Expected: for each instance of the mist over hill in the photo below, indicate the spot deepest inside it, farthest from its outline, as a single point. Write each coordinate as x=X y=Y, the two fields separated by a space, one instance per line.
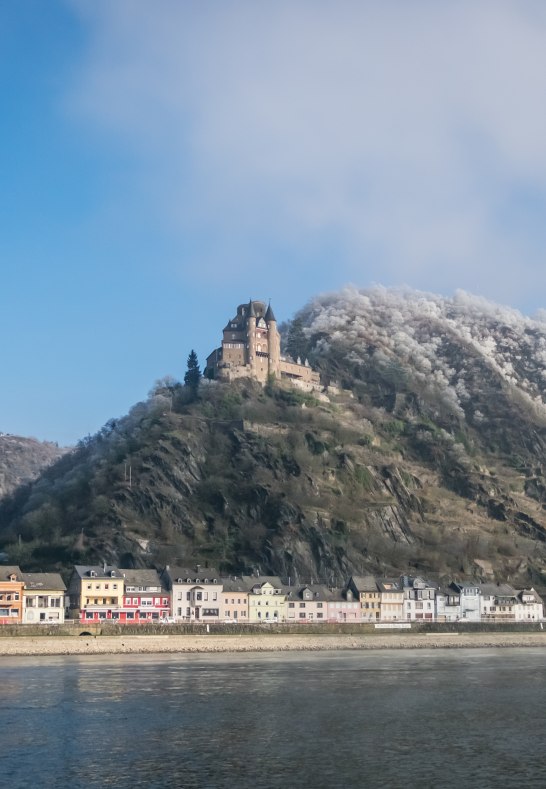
x=426 y=454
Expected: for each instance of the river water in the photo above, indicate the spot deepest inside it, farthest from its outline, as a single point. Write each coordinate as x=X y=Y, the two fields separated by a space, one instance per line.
x=412 y=718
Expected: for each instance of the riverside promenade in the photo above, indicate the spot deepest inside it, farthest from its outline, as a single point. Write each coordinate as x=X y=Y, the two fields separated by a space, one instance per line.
x=266 y=642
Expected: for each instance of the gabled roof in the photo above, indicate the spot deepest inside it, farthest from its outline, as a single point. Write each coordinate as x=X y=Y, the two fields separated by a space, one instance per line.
x=141 y=577
x=364 y=583
x=257 y=581
x=389 y=585
x=234 y=585
x=97 y=571
x=318 y=592
x=498 y=590
x=536 y=597
x=192 y=575
x=10 y=569
x=35 y=582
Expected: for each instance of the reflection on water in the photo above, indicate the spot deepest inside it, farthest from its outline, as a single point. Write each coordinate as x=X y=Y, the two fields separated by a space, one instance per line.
x=391 y=719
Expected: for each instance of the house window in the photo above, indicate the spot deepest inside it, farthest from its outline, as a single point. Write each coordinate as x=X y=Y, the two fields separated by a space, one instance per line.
x=130 y=615
x=302 y=614
x=320 y=616
x=291 y=605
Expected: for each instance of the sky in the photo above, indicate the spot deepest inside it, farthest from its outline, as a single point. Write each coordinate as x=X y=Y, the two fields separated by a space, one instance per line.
x=162 y=162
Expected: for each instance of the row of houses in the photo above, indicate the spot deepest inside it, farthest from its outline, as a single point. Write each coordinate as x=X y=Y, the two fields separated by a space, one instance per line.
x=178 y=594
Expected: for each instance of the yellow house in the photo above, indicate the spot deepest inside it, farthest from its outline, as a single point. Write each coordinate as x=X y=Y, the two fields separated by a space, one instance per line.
x=266 y=599
x=392 y=600
x=367 y=592
x=96 y=592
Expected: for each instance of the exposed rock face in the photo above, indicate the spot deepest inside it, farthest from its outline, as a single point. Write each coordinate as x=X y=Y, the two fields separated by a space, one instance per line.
x=426 y=456
x=23 y=459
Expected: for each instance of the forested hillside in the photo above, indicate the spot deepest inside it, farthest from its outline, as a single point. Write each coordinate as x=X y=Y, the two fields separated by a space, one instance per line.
x=425 y=454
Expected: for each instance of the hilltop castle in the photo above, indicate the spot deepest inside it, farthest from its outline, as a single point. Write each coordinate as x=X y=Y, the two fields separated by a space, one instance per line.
x=251 y=348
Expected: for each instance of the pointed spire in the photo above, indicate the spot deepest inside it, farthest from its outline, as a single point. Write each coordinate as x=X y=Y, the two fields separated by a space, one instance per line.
x=251 y=310
x=269 y=315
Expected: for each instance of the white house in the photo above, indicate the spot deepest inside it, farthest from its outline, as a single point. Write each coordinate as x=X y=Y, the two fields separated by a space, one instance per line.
x=196 y=594
x=448 y=604
x=43 y=598
x=529 y=606
x=470 y=601
x=419 y=598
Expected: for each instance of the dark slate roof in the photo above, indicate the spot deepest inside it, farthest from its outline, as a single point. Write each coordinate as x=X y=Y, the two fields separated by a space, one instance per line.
x=36 y=581
x=10 y=569
x=251 y=581
x=142 y=577
x=234 y=585
x=364 y=583
x=319 y=592
x=195 y=576
x=270 y=315
x=100 y=571
x=498 y=590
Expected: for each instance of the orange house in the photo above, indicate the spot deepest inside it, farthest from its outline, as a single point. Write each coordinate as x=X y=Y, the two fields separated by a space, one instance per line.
x=11 y=595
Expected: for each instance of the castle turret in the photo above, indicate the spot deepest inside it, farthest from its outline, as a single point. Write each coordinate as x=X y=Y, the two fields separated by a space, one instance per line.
x=251 y=336
x=274 y=343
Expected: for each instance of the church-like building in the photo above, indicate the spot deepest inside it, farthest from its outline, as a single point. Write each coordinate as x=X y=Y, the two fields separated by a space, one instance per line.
x=251 y=348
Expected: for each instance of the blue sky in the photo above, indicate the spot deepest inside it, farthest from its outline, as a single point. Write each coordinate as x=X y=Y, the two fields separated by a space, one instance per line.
x=162 y=162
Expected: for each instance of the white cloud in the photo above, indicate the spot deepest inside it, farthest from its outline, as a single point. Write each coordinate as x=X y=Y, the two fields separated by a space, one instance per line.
x=412 y=132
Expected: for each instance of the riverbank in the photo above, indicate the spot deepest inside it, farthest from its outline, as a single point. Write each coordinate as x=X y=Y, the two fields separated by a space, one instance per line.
x=130 y=644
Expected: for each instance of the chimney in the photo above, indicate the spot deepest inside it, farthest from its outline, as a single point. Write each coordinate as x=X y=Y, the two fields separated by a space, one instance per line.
x=197 y=568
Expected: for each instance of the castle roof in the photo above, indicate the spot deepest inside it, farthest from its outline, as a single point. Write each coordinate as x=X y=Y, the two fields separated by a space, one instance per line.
x=269 y=315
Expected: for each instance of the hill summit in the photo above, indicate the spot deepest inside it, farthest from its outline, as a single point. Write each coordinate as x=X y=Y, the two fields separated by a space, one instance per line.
x=423 y=451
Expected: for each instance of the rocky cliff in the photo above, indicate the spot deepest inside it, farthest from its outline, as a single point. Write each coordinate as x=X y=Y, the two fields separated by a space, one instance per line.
x=22 y=460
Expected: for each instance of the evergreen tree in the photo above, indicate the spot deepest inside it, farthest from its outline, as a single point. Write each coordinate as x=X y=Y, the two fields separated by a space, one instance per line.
x=192 y=378
x=296 y=342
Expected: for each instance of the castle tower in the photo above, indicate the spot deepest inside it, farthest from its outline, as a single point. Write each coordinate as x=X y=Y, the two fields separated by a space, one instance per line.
x=251 y=337
x=274 y=343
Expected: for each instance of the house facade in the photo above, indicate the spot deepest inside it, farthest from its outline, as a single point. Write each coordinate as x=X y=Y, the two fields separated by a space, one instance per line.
x=343 y=606
x=11 y=595
x=196 y=593
x=498 y=603
x=266 y=600
x=365 y=589
x=448 y=604
x=234 y=607
x=43 y=598
x=419 y=596
x=144 y=598
x=306 y=603
x=96 y=593
x=391 y=600
x=529 y=606
x=470 y=601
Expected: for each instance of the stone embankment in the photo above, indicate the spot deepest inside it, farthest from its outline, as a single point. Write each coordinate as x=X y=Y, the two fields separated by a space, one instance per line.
x=130 y=644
